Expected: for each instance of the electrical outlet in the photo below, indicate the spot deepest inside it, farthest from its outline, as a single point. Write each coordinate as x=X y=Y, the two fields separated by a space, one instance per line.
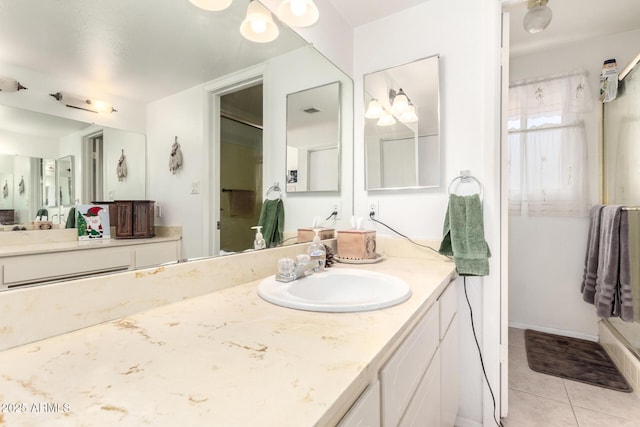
x=373 y=206
x=158 y=211
x=336 y=207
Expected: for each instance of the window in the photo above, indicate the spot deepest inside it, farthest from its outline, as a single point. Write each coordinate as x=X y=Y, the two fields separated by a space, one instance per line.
x=547 y=146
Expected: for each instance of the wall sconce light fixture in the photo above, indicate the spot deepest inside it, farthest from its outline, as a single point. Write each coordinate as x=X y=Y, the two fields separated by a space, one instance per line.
x=538 y=17
x=212 y=5
x=399 y=101
x=386 y=119
x=7 y=84
x=298 y=13
x=258 y=26
x=374 y=110
x=83 y=103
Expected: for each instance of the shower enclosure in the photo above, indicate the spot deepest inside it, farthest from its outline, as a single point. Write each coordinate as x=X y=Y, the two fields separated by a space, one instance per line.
x=621 y=183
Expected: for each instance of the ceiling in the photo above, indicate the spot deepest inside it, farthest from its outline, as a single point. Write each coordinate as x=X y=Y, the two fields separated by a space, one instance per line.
x=360 y=12
x=573 y=21
x=141 y=50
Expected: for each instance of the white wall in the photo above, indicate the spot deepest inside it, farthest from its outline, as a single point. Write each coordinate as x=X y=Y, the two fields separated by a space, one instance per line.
x=546 y=255
x=28 y=145
x=180 y=115
x=134 y=145
x=466 y=35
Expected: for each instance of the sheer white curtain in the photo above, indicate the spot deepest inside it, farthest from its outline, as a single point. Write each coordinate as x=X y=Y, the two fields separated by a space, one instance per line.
x=547 y=146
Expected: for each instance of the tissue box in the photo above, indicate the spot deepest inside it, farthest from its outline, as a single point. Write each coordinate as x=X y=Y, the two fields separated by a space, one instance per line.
x=306 y=234
x=357 y=244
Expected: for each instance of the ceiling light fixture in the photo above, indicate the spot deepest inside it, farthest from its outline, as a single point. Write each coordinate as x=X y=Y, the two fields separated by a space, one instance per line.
x=298 y=13
x=374 y=110
x=212 y=5
x=83 y=103
x=7 y=84
x=258 y=26
x=538 y=17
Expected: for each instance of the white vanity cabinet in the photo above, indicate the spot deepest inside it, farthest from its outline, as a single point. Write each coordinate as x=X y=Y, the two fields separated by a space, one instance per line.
x=31 y=268
x=419 y=382
x=366 y=411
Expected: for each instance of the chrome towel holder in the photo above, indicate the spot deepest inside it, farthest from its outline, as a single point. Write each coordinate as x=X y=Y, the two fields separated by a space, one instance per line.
x=466 y=177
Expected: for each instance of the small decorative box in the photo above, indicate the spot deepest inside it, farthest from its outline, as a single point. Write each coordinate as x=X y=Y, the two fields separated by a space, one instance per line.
x=306 y=234
x=357 y=244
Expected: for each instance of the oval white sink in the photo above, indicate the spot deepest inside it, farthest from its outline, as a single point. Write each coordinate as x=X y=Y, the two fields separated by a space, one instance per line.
x=337 y=290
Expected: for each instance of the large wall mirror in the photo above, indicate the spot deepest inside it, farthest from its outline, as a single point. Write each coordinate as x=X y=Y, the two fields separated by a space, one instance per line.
x=402 y=126
x=313 y=139
x=621 y=137
x=181 y=48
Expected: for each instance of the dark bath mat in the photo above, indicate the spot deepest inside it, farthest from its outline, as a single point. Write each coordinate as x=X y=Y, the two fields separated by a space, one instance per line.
x=573 y=359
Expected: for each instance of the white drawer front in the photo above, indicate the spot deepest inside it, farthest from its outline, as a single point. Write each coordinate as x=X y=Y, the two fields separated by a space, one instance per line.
x=448 y=307
x=366 y=411
x=51 y=266
x=402 y=373
x=424 y=409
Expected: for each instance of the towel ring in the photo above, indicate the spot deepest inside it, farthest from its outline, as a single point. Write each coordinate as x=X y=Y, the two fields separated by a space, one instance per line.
x=465 y=178
x=275 y=188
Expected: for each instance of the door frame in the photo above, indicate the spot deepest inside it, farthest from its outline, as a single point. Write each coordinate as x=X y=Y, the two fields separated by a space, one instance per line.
x=211 y=147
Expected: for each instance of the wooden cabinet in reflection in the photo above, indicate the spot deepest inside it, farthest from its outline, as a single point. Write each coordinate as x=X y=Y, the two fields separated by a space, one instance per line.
x=134 y=219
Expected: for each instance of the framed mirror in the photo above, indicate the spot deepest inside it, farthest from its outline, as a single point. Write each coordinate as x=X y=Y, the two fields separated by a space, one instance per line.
x=402 y=126
x=313 y=139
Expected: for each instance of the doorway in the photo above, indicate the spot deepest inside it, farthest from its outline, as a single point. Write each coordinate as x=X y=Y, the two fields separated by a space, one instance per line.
x=241 y=160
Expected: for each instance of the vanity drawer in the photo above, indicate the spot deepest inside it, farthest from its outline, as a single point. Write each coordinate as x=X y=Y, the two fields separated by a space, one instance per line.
x=448 y=307
x=366 y=411
x=43 y=267
x=402 y=373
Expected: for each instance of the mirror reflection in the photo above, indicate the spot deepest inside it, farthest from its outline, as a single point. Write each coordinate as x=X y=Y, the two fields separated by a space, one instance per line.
x=402 y=126
x=56 y=163
x=621 y=152
x=313 y=139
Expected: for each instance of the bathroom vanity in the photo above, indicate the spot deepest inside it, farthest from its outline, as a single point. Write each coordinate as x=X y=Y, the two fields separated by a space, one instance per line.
x=40 y=256
x=227 y=357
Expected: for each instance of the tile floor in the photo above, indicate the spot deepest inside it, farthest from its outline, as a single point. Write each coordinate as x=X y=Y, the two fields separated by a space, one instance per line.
x=543 y=400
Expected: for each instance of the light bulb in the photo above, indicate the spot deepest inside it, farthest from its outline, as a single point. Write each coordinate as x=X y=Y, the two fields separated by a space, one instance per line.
x=374 y=110
x=409 y=116
x=298 y=7
x=400 y=103
x=386 y=119
x=259 y=26
x=298 y=13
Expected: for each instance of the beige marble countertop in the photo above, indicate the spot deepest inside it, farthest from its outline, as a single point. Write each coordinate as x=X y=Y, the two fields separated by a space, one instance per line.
x=46 y=241
x=227 y=358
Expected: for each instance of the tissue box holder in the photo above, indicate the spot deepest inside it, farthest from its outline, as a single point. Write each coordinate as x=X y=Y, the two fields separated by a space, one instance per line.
x=357 y=244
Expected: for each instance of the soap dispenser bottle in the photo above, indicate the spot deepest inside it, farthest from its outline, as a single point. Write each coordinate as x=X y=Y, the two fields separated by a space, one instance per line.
x=317 y=252
x=258 y=243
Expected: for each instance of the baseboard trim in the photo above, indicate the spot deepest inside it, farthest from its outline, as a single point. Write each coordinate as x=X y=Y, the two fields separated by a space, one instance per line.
x=571 y=334
x=465 y=422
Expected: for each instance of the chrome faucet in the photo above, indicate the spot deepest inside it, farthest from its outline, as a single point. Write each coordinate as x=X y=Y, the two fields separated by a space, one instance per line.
x=290 y=270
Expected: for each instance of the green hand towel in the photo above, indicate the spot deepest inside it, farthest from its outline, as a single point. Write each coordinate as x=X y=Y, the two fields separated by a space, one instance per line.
x=272 y=222
x=71 y=218
x=464 y=236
